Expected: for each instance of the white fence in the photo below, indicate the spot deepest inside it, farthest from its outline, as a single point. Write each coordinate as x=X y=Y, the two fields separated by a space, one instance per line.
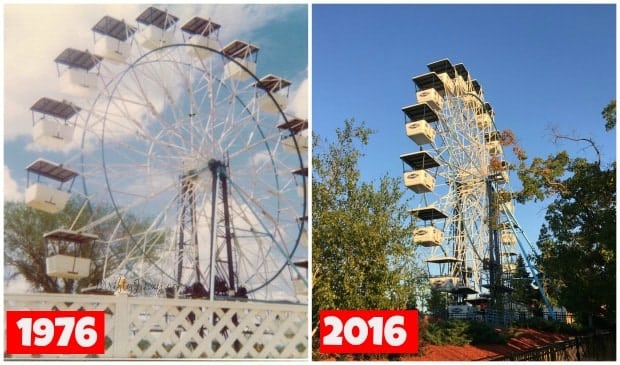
x=184 y=328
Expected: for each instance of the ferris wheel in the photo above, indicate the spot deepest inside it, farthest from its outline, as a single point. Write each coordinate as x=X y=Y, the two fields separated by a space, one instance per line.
x=202 y=167
x=464 y=223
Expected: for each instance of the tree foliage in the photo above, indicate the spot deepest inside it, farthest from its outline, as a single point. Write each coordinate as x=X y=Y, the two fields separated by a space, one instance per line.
x=609 y=114
x=580 y=257
x=521 y=281
x=578 y=250
x=362 y=254
x=24 y=228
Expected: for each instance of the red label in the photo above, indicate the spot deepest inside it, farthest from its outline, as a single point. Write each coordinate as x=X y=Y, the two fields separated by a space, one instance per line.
x=368 y=331
x=55 y=332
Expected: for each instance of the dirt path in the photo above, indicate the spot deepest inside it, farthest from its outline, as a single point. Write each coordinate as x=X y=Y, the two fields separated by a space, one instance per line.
x=524 y=339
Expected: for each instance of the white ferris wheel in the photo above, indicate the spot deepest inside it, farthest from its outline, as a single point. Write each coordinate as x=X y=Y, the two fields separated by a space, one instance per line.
x=465 y=229
x=203 y=168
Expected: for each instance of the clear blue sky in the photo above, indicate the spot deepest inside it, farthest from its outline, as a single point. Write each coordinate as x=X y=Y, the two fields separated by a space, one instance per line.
x=539 y=66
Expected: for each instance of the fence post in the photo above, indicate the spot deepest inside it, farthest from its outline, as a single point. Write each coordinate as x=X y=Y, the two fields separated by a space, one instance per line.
x=121 y=331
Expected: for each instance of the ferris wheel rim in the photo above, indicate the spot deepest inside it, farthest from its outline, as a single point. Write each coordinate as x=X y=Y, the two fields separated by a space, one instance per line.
x=136 y=63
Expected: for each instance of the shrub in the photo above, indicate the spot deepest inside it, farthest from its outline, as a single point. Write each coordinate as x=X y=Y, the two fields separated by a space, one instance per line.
x=460 y=333
x=483 y=333
x=450 y=332
x=546 y=325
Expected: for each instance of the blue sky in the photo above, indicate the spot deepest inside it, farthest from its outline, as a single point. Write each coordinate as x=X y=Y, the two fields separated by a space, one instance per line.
x=540 y=66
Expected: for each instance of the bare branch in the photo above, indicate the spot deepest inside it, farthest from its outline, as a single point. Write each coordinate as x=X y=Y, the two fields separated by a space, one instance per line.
x=557 y=135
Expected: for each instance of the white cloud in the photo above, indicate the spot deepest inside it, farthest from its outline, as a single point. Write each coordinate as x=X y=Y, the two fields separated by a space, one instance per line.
x=17 y=285
x=12 y=191
x=298 y=105
x=36 y=34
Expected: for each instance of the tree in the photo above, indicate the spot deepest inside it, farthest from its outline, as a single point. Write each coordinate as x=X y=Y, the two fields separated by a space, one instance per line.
x=609 y=114
x=362 y=250
x=578 y=254
x=521 y=281
x=580 y=259
x=24 y=228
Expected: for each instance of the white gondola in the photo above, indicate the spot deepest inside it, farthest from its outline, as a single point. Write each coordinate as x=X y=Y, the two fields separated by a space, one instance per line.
x=152 y=37
x=78 y=82
x=276 y=87
x=420 y=132
x=484 y=116
x=53 y=122
x=460 y=86
x=244 y=55
x=502 y=177
x=157 y=28
x=448 y=82
x=112 y=39
x=303 y=240
x=499 y=172
x=461 y=311
x=301 y=286
x=446 y=73
x=202 y=33
x=297 y=140
x=430 y=97
x=112 y=49
x=427 y=236
x=297 y=136
x=483 y=119
x=471 y=101
x=494 y=148
x=461 y=79
x=63 y=250
x=419 y=181
x=77 y=72
x=444 y=283
x=492 y=143
x=42 y=196
x=508 y=238
x=52 y=133
x=509 y=268
x=303 y=176
x=202 y=42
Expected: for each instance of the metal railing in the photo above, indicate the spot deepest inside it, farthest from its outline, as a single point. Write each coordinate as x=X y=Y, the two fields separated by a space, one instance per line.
x=598 y=346
x=505 y=318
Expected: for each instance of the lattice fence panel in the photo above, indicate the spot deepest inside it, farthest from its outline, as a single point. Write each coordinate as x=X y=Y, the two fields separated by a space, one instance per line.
x=181 y=328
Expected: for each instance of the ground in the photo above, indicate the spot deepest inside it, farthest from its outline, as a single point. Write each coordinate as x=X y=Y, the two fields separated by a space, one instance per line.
x=523 y=340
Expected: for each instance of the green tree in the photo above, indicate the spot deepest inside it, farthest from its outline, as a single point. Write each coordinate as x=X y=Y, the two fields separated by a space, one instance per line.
x=580 y=259
x=437 y=301
x=362 y=254
x=24 y=252
x=609 y=114
x=578 y=252
x=521 y=281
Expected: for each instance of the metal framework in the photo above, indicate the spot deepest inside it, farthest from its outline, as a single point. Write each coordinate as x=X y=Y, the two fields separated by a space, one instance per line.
x=471 y=249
